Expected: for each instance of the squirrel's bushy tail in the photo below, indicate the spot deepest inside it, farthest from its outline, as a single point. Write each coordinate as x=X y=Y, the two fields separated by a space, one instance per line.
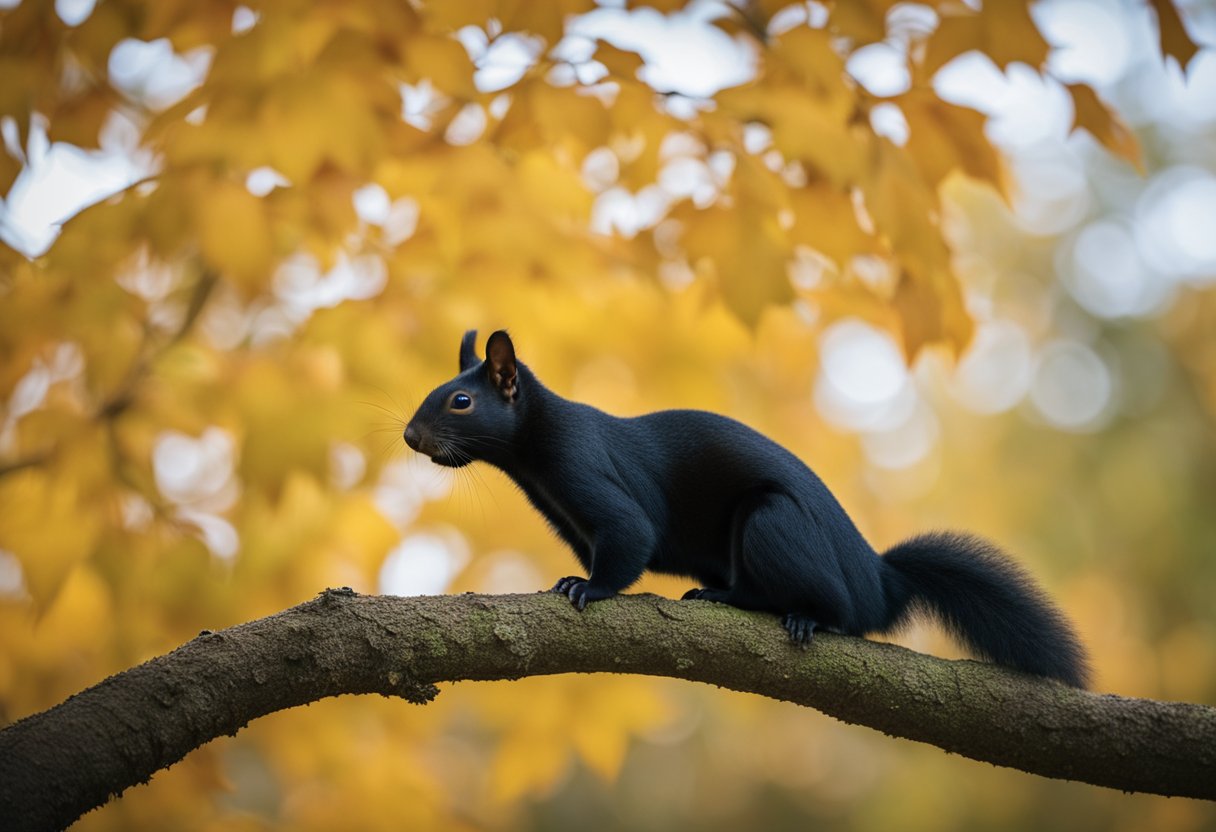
x=985 y=600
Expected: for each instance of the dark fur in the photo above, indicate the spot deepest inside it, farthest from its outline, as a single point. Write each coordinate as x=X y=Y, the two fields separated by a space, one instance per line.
x=684 y=492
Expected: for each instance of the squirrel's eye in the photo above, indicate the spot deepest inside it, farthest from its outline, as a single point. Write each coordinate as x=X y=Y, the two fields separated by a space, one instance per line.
x=461 y=401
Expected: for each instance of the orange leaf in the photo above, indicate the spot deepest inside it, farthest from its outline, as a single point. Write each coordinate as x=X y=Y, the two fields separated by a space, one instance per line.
x=943 y=137
x=825 y=220
x=864 y=22
x=618 y=61
x=1004 y=32
x=1175 y=41
x=234 y=234
x=931 y=310
x=1104 y=124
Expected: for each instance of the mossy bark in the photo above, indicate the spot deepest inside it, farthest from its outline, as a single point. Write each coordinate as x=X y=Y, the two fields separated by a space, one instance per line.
x=59 y=764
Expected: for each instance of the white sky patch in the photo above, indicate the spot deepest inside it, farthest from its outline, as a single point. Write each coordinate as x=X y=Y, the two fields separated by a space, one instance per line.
x=1052 y=193
x=502 y=63
x=198 y=476
x=1174 y=221
x=1023 y=108
x=1106 y=274
x=12 y=577
x=301 y=288
x=262 y=180
x=995 y=372
x=1091 y=39
x=618 y=211
x=402 y=220
x=888 y=120
x=510 y=571
x=405 y=485
x=217 y=534
x=74 y=12
x=683 y=53
x=347 y=465
x=244 y=19
x=467 y=126
x=862 y=362
x=62 y=362
x=196 y=471
x=864 y=384
x=424 y=563
x=420 y=102
x=58 y=181
x=153 y=72
x=905 y=444
x=881 y=69
x=601 y=169
x=372 y=204
x=1072 y=387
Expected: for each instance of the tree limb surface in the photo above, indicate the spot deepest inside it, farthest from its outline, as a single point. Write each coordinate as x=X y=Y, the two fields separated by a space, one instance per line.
x=59 y=764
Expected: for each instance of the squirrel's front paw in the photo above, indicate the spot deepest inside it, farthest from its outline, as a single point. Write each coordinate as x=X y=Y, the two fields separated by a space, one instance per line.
x=563 y=586
x=583 y=593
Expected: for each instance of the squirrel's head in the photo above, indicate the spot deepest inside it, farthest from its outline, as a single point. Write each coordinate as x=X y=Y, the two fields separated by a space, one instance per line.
x=474 y=415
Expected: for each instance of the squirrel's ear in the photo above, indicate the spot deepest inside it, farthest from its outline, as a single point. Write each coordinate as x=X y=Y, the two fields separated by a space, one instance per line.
x=468 y=350
x=500 y=365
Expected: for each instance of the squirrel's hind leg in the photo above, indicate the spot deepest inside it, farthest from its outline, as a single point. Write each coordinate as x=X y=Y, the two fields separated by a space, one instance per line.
x=776 y=566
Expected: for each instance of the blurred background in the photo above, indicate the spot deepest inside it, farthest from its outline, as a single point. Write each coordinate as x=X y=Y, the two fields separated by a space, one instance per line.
x=957 y=257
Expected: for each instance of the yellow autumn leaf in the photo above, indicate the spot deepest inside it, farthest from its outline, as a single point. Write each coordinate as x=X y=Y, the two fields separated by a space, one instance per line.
x=808 y=57
x=1104 y=124
x=55 y=529
x=442 y=18
x=863 y=21
x=903 y=207
x=814 y=129
x=234 y=235
x=601 y=745
x=931 y=310
x=553 y=188
x=619 y=62
x=1005 y=32
x=825 y=219
x=444 y=62
x=527 y=766
x=944 y=137
x=568 y=119
x=747 y=257
x=359 y=533
x=79 y=120
x=544 y=19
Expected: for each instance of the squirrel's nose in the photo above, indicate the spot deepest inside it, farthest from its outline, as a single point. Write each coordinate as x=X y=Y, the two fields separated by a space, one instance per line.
x=412 y=437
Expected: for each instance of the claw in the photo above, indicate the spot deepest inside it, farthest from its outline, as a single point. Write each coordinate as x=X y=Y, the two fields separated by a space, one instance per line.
x=564 y=585
x=581 y=592
x=800 y=627
x=720 y=596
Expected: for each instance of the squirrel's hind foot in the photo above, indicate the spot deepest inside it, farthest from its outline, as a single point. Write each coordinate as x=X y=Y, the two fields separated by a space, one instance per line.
x=800 y=627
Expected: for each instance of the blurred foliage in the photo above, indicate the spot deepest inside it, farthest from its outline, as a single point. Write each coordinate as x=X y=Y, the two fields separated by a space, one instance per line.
x=205 y=380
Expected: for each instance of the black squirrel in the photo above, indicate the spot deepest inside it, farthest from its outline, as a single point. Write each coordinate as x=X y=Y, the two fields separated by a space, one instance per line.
x=685 y=492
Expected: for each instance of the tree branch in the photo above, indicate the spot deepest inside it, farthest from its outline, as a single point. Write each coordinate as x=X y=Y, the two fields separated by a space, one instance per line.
x=59 y=764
